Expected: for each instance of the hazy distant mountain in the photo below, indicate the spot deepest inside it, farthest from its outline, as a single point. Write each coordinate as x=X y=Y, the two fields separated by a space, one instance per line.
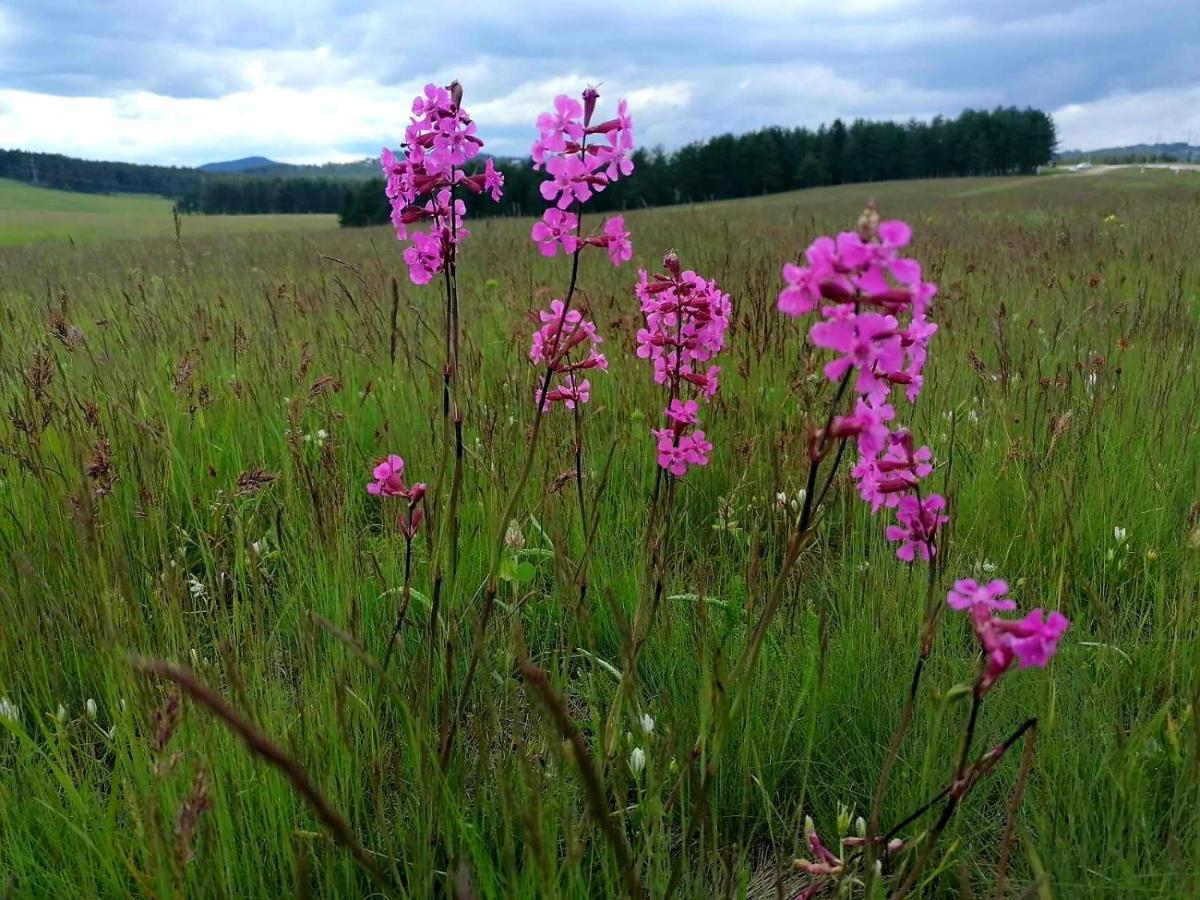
x=1134 y=153
x=260 y=165
x=245 y=164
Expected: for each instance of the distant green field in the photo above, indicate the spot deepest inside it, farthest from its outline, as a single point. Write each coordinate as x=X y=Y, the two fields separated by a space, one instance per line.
x=31 y=214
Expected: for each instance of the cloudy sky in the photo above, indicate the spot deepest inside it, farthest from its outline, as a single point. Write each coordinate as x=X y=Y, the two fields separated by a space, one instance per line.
x=189 y=82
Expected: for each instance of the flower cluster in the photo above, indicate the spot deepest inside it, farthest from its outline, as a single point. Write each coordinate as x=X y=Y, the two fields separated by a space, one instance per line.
x=563 y=332
x=389 y=482
x=686 y=319
x=826 y=868
x=873 y=309
x=578 y=169
x=1030 y=642
x=423 y=180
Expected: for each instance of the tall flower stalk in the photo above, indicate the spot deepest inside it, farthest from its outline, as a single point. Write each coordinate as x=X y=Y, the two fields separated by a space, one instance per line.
x=582 y=159
x=424 y=185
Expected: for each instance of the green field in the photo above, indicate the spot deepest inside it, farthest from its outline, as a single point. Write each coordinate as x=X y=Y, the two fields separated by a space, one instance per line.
x=166 y=492
x=31 y=215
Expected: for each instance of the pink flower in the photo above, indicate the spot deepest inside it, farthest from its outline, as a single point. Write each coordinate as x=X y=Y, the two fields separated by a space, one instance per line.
x=556 y=229
x=615 y=238
x=424 y=258
x=683 y=412
x=1030 y=642
x=677 y=452
x=968 y=594
x=389 y=478
x=867 y=342
x=565 y=345
x=883 y=480
x=1035 y=638
x=868 y=425
x=917 y=524
x=561 y=126
x=567 y=394
x=803 y=292
x=570 y=181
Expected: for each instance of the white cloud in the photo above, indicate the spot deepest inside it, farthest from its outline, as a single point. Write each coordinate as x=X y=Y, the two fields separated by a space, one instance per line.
x=1165 y=114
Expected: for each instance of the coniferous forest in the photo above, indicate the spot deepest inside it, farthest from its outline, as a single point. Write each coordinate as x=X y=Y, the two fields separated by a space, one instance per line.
x=976 y=142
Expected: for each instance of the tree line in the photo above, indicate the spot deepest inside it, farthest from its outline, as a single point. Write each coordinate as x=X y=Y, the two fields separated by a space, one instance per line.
x=1003 y=141
x=66 y=173
x=244 y=194
x=977 y=142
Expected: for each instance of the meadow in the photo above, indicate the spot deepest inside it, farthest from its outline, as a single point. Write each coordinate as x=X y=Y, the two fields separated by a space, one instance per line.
x=30 y=214
x=189 y=429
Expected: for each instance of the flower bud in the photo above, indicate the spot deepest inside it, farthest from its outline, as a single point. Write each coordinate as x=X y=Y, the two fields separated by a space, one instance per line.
x=590 y=96
x=637 y=761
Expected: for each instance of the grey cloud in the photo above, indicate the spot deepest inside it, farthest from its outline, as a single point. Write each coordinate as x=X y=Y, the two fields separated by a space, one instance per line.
x=747 y=63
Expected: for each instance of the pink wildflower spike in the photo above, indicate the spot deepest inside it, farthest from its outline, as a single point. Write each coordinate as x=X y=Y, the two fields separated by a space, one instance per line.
x=582 y=159
x=686 y=320
x=440 y=138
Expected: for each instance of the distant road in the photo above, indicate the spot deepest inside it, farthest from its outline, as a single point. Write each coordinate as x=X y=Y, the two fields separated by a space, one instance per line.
x=1104 y=168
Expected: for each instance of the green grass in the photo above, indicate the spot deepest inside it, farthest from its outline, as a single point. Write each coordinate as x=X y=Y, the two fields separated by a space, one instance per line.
x=30 y=215
x=1060 y=402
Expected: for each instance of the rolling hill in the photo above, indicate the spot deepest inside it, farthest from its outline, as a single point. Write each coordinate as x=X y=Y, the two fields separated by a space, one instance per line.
x=30 y=214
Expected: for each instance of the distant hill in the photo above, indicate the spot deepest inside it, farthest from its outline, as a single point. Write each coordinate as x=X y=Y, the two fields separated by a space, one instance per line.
x=1133 y=153
x=261 y=166
x=245 y=164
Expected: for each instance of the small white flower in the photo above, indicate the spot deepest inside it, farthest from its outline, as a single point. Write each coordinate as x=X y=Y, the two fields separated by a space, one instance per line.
x=1089 y=381
x=647 y=723
x=195 y=587
x=513 y=538
x=256 y=546
x=322 y=434
x=9 y=710
x=637 y=761
x=60 y=714
x=1119 y=534
x=90 y=707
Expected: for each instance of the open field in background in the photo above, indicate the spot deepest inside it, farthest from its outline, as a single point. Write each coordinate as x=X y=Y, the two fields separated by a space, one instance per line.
x=1061 y=401
x=31 y=214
